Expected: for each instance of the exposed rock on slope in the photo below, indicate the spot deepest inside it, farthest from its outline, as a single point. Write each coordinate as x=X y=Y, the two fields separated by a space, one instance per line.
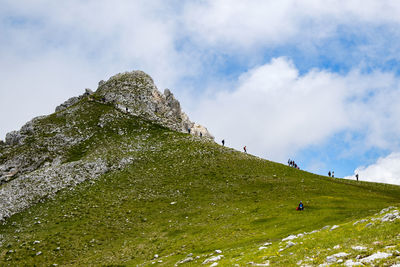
x=135 y=93
x=49 y=152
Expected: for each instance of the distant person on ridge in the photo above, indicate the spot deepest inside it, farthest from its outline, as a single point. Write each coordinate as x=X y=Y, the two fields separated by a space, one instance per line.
x=288 y=162
x=245 y=150
x=333 y=174
x=357 y=176
x=300 y=206
x=223 y=142
x=329 y=173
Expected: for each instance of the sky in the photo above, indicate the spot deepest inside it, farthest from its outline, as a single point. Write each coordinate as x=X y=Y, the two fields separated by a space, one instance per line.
x=314 y=81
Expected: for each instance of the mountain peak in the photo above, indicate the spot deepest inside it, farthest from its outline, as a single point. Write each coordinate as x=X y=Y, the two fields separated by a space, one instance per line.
x=135 y=93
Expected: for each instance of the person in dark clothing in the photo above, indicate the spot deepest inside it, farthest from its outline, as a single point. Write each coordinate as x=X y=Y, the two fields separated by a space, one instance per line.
x=357 y=176
x=245 y=150
x=301 y=206
x=201 y=134
x=223 y=142
x=126 y=109
x=189 y=130
x=333 y=174
x=329 y=173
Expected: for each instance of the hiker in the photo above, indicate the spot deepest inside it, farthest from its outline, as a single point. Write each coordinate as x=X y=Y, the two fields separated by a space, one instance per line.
x=126 y=109
x=357 y=176
x=329 y=173
x=288 y=162
x=189 y=130
x=201 y=134
x=223 y=142
x=245 y=150
x=333 y=174
x=300 y=206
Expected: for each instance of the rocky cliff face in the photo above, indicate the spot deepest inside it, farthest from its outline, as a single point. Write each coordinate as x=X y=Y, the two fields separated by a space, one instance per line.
x=135 y=93
x=49 y=153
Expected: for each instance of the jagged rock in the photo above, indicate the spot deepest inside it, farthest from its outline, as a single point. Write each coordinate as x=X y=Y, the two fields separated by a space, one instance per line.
x=88 y=92
x=70 y=102
x=14 y=138
x=135 y=92
x=73 y=100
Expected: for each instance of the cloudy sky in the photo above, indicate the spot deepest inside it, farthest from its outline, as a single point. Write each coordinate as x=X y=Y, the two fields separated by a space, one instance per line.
x=315 y=81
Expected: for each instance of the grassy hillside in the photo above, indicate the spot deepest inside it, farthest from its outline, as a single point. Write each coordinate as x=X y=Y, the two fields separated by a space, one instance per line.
x=181 y=194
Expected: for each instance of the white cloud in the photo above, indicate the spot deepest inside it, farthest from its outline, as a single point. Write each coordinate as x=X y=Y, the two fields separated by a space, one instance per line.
x=238 y=24
x=275 y=111
x=384 y=170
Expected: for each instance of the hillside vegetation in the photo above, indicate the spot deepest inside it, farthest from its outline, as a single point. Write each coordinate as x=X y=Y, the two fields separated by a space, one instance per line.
x=171 y=198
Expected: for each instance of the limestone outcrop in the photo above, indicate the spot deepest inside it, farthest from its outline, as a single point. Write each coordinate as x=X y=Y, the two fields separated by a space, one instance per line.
x=135 y=93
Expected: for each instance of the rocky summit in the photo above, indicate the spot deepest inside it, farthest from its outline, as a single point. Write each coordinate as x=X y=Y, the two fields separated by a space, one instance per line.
x=36 y=161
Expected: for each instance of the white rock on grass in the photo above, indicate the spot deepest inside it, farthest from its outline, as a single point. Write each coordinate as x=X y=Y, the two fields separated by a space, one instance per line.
x=334 y=257
x=359 y=248
x=218 y=251
x=267 y=244
x=352 y=263
x=390 y=217
x=376 y=256
x=360 y=221
x=259 y=264
x=291 y=237
x=290 y=244
x=213 y=259
x=387 y=209
x=262 y=264
x=334 y=227
x=188 y=259
x=336 y=247
x=214 y=264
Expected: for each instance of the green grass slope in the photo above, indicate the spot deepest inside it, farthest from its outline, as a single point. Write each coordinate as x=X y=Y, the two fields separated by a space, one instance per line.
x=181 y=195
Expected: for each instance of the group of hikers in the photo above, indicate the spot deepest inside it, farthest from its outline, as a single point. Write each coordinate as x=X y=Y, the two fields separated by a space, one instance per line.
x=331 y=174
x=293 y=164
